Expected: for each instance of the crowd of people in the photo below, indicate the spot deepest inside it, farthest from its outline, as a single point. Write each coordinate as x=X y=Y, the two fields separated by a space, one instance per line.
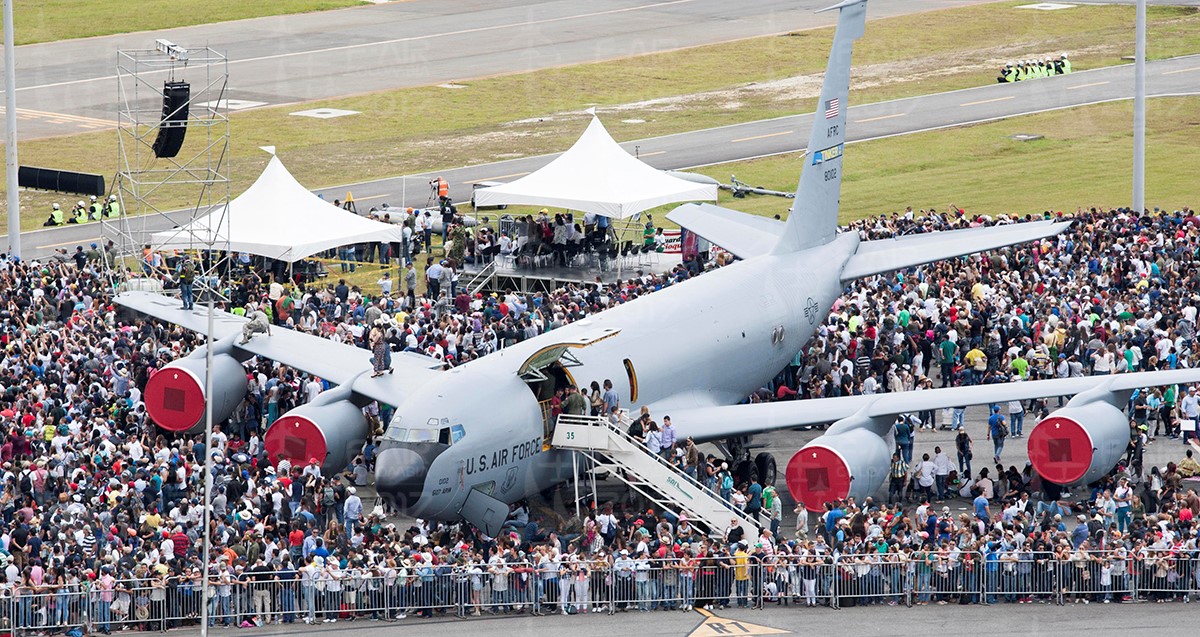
x=1031 y=69
x=100 y=504
x=83 y=212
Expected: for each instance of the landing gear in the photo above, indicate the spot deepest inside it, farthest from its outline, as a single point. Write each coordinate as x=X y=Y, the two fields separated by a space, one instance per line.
x=765 y=463
x=745 y=472
x=746 y=467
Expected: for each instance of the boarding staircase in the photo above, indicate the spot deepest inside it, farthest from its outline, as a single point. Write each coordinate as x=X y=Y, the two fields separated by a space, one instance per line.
x=608 y=446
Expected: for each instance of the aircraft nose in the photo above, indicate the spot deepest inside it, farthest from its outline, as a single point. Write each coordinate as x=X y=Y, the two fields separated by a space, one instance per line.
x=400 y=474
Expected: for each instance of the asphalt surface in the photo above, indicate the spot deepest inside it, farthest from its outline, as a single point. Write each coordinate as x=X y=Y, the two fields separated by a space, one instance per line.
x=1176 y=76
x=1117 y=620
x=71 y=86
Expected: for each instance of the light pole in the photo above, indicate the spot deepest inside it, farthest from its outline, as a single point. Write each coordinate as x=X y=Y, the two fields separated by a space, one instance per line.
x=205 y=553
x=10 y=141
x=208 y=454
x=1139 y=111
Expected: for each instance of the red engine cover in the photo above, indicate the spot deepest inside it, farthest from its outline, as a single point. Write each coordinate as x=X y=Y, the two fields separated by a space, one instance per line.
x=1060 y=449
x=174 y=398
x=296 y=437
x=816 y=475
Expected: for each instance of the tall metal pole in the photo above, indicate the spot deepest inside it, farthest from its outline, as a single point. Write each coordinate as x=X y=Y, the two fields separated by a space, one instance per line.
x=1139 y=112
x=208 y=470
x=10 y=142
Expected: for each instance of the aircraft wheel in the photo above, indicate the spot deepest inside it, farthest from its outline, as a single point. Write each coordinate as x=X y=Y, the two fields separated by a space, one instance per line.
x=745 y=472
x=765 y=463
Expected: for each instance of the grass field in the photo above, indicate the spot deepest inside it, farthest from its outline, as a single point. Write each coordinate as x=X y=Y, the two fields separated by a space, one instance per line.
x=421 y=129
x=1083 y=160
x=50 y=20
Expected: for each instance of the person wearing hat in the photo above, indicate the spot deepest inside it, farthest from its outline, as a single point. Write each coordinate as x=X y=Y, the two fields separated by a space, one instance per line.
x=56 y=216
x=352 y=510
x=78 y=213
x=95 y=210
x=112 y=209
x=997 y=432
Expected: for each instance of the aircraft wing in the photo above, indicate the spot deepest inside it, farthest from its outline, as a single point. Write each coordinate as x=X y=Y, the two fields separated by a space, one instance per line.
x=337 y=363
x=889 y=255
x=734 y=420
x=743 y=234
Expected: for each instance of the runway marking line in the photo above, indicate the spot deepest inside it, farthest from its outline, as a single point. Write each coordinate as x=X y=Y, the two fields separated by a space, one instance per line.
x=414 y=38
x=475 y=181
x=747 y=139
x=876 y=119
x=1194 y=68
x=714 y=626
x=77 y=242
x=657 y=152
x=994 y=99
x=56 y=117
x=1072 y=88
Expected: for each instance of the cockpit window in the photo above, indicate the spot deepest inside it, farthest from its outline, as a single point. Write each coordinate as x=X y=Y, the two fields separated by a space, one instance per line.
x=421 y=435
x=437 y=431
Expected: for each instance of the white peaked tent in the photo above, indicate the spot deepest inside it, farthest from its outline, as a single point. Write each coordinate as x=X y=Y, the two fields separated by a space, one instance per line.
x=277 y=218
x=596 y=175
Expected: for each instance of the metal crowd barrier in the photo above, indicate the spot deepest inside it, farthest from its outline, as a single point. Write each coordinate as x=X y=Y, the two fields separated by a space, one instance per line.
x=577 y=586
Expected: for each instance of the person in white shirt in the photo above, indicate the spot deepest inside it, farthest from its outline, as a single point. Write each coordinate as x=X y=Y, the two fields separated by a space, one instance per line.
x=926 y=473
x=941 y=470
x=312 y=389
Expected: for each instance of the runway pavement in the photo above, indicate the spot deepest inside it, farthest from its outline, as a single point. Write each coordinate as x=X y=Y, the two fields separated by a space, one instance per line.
x=1115 y=620
x=1176 y=76
x=70 y=86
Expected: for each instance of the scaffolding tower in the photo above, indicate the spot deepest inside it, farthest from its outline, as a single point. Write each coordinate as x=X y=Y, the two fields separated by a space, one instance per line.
x=169 y=193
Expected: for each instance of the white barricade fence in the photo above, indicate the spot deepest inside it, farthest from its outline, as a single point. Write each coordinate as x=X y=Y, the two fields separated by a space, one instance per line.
x=1163 y=575
x=872 y=578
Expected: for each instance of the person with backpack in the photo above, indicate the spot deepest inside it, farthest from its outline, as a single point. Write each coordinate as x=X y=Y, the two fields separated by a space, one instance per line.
x=726 y=482
x=997 y=432
x=904 y=438
x=186 y=276
x=327 y=497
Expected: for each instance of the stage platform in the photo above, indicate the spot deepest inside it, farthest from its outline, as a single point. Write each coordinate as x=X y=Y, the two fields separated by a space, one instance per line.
x=505 y=274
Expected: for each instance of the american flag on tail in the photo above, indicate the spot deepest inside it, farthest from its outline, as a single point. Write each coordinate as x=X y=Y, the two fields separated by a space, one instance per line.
x=832 y=108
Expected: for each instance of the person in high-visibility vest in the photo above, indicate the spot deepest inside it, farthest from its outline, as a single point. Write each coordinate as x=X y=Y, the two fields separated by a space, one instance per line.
x=443 y=189
x=55 y=218
x=78 y=213
x=112 y=209
x=1064 y=64
x=95 y=210
x=1007 y=74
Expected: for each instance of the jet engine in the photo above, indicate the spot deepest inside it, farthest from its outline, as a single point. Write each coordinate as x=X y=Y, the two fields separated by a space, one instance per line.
x=175 y=395
x=1079 y=443
x=331 y=429
x=851 y=460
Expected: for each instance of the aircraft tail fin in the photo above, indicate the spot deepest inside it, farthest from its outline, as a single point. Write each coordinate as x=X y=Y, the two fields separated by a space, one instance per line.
x=813 y=218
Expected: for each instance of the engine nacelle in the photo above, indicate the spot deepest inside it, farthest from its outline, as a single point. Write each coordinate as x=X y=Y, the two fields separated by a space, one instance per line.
x=1079 y=443
x=331 y=429
x=175 y=395
x=849 y=462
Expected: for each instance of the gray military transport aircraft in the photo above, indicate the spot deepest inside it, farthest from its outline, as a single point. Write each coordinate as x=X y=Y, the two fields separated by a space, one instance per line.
x=467 y=442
